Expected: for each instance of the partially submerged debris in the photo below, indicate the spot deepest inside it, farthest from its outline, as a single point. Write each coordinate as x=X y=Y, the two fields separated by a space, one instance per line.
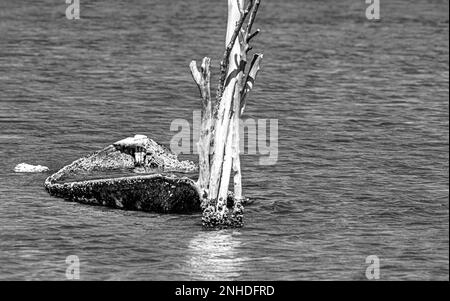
x=164 y=188
x=231 y=216
x=218 y=146
x=160 y=191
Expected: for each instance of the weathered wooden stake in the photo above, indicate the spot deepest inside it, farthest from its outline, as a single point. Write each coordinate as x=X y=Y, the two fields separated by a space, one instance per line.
x=237 y=179
x=202 y=79
x=220 y=128
x=222 y=120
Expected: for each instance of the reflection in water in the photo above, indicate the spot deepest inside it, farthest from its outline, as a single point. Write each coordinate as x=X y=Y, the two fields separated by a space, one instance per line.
x=213 y=255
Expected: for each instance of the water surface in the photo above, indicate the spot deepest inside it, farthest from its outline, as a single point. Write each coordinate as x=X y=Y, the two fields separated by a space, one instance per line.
x=363 y=138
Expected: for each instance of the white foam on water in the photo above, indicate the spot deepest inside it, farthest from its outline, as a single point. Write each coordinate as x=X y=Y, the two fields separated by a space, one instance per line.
x=24 y=167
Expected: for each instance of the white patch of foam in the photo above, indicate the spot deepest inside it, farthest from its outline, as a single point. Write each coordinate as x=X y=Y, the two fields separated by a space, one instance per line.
x=24 y=167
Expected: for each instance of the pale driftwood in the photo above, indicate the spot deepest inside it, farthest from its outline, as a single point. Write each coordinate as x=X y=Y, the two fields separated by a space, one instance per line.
x=237 y=178
x=233 y=31
x=232 y=75
x=245 y=38
x=202 y=79
x=222 y=119
x=245 y=48
x=223 y=126
x=227 y=164
x=247 y=35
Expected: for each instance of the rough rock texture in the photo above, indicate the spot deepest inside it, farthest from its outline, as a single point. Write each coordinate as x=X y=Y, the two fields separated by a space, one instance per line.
x=157 y=192
x=160 y=191
x=221 y=218
x=154 y=193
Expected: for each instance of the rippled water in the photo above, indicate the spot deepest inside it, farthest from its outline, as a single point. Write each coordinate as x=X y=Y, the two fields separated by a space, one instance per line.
x=363 y=138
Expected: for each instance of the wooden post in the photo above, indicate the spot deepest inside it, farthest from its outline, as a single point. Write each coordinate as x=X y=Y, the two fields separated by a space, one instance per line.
x=202 y=79
x=221 y=126
x=222 y=121
x=237 y=178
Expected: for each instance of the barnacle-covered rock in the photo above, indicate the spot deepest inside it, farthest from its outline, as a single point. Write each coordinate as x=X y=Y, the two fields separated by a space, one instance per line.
x=232 y=216
x=162 y=187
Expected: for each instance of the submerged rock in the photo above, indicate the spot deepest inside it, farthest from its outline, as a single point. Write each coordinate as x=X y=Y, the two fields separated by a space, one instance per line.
x=24 y=167
x=232 y=216
x=160 y=191
x=162 y=186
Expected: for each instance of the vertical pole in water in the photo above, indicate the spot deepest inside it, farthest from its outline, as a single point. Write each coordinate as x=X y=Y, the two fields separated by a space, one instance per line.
x=222 y=159
x=202 y=79
x=223 y=121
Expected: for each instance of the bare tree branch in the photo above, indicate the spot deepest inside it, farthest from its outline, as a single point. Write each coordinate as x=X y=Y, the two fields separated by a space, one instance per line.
x=226 y=56
x=202 y=79
x=252 y=18
x=250 y=79
x=252 y=35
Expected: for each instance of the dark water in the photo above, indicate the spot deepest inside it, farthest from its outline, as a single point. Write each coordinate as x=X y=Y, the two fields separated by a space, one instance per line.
x=363 y=138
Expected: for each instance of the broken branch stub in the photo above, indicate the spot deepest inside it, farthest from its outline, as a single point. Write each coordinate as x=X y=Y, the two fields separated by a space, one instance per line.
x=255 y=65
x=202 y=79
x=235 y=142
